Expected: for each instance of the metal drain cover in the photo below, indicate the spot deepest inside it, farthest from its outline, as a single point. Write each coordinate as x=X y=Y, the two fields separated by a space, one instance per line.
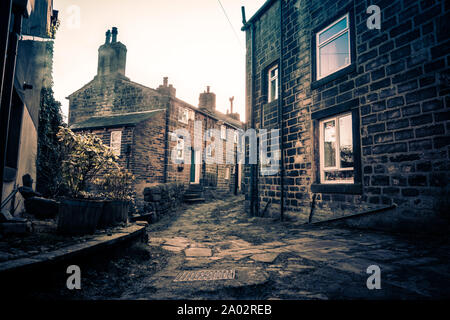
x=205 y=275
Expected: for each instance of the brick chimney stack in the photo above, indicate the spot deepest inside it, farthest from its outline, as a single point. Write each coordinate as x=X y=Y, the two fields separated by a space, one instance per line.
x=112 y=56
x=232 y=115
x=166 y=88
x=207 y=100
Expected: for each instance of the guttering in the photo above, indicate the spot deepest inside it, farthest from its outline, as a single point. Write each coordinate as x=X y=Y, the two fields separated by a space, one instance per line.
x=280 y=114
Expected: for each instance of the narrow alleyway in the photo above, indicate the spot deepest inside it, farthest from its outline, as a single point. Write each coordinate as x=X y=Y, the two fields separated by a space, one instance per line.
x=276 y=260
x=270 y=260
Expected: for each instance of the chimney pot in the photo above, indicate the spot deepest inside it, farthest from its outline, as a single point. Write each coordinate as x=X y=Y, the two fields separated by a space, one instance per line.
x=231 y=102
x=108 y=37
x=165 y=81
x=114 y=34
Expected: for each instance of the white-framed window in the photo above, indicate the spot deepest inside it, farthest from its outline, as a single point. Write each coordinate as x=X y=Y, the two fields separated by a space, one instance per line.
x=223 y=132
x=336 y=149
x=333 y=47
x=183 y=115
x=209 y=150
x=236 y=136
x=116 y=142
x=180 y=148
x=272 y=84
x=227 y=173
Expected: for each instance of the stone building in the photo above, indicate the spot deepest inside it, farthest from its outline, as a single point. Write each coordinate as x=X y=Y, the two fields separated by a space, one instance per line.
x=141 y=124
x=30 y=26
x=363 y=112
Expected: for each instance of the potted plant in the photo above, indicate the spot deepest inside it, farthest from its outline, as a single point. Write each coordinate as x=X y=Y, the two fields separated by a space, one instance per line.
x=84 y=156
x=116 y=186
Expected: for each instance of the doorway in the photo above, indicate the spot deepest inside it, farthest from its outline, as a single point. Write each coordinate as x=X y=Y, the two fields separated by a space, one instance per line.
x=195 y=166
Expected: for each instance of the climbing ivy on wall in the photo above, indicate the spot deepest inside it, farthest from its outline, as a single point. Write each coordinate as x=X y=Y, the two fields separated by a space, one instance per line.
x=48 y=163
x=49 y=158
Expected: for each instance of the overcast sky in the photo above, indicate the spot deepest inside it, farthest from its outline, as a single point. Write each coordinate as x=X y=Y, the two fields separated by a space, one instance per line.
x=189 y=41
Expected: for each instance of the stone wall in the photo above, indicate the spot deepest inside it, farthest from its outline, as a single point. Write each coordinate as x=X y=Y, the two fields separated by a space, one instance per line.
x=161 y=198
x=398 y=84
x=111 y=95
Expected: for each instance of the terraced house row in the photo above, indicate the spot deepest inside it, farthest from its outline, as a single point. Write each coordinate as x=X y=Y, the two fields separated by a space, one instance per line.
x=140 y=124
x=363 y=111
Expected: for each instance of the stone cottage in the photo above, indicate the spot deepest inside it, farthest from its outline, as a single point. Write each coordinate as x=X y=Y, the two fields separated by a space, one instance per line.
x=141 y=124
x=363 y=111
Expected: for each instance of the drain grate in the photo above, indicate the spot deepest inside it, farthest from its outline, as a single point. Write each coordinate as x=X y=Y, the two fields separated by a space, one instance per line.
x=205 y=275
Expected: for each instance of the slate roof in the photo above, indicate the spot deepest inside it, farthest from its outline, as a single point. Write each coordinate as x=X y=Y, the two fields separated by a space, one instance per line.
x=221 y=116
x=217 y=115
x=116 y=120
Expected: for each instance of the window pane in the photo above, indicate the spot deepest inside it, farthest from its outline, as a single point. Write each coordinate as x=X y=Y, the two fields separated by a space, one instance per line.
x=273 y=90
x=334 y=55
x=346 y=141
x=329 y=144
x=273 y=73
x=345 y=176
x=334 y=29
x=116 y=141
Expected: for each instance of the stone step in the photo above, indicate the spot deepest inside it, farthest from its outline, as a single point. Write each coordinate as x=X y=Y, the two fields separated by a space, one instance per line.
x=194 y=200
x=193 y=195
x=194 y=190
x=195 y=187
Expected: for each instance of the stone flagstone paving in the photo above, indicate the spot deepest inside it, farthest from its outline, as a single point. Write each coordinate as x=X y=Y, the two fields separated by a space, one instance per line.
x=282 y=260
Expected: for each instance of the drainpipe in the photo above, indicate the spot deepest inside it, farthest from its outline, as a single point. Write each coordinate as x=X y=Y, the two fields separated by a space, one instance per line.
x=5 y=9
x=254 y=167
x=166 y=142
x=280 y=114
x=7 y=91
x=236 y=171
x=254 y=199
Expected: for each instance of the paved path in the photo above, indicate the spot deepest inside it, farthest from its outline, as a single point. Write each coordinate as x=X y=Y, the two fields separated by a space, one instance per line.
x=276 y=260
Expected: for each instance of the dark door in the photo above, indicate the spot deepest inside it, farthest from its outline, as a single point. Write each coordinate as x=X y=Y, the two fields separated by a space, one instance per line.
x=192 y=166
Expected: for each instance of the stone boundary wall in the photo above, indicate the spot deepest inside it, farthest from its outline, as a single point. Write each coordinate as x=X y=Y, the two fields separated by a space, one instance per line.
x=161 y=198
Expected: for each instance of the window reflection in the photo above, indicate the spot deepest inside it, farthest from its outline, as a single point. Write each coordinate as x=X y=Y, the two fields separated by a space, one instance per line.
x=346 y=141
x=336 y=153
x=330 y=144
x=334 y=55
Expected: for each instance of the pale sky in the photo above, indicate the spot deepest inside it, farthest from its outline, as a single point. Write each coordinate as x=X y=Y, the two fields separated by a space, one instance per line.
x=189 y=41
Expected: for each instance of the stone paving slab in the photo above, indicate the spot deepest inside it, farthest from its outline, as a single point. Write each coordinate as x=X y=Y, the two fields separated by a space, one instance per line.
x=172 y=248
x=359 y=266
x=265 y=257
x=198 y=252
x=176 y=242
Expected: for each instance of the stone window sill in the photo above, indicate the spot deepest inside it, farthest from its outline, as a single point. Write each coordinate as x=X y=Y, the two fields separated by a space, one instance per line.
x=337 y=188
x=318 y=83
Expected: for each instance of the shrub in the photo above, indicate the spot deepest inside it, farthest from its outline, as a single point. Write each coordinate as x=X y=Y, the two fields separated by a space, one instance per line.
x=84 y=156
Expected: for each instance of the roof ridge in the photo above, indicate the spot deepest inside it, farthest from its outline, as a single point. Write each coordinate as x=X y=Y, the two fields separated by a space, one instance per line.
x=128 y=113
